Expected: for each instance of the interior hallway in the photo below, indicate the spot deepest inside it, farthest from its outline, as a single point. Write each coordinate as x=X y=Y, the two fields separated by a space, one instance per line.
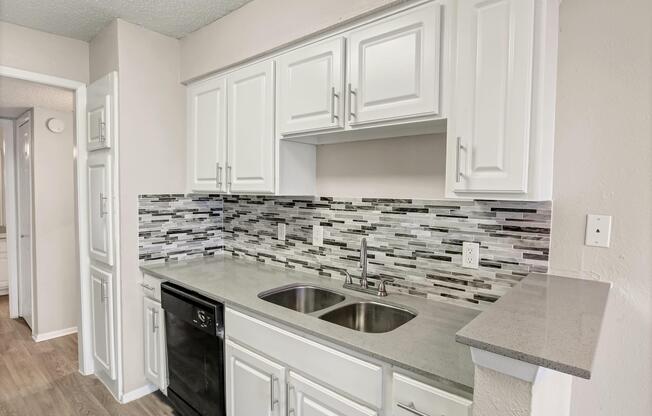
x=43 y=378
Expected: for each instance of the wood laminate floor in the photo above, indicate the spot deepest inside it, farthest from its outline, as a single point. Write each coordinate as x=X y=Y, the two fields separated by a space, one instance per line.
x=43 y=378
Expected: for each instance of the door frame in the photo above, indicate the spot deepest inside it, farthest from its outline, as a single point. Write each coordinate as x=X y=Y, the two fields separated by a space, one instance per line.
x=85 y=351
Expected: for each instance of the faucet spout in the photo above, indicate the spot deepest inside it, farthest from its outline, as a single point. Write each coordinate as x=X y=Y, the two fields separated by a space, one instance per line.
x=363 y=263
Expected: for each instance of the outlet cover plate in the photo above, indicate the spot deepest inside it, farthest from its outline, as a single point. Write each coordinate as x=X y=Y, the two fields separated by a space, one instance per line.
x=598 y=230
x=317 y=235
x=281 y=231
x=470 y=255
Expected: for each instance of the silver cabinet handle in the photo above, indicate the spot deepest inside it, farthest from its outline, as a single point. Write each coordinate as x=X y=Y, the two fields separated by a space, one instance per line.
x=218 y=179
x=412 y=409
x=146 y=286
x=289 y=388
x=458 y=167
x=351 y=93
x=102 y=127
x=334 y=114
x=272 y=402
x=102 y=205
x=154 y=321
x=229 y=171
x=104 y=291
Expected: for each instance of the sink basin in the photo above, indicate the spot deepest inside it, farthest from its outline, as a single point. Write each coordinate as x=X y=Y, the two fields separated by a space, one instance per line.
x=369 y=317
x=302 y=298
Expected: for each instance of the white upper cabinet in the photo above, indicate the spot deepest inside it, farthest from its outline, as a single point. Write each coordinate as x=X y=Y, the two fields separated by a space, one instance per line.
x=394 y=67
x=311 y=87
x=207 y=132
x=251 y=139
x=100 y=101
x=500 y=136
x=100 y=201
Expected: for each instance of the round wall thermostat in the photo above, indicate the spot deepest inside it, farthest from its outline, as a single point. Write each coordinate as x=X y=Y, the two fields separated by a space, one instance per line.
x=55 y=125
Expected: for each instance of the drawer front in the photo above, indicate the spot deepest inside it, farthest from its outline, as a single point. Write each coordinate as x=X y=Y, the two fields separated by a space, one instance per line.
x=151 y=287
x=356 y=377
x=413 y=398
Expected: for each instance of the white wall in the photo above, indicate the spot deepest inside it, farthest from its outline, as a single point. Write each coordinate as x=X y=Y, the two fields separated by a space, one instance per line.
x=56 y=279
x=41 y=52
x=406 y=167
x=264 y=25
x=103 y=52
x=152 y=160
x=603 y=164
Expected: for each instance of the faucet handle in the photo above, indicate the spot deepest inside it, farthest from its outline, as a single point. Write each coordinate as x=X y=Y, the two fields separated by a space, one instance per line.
x=347 y=278
x=382 y=290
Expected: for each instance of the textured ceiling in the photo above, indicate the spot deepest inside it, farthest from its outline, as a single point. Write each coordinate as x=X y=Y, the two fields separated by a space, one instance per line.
x=83 y=19
x=17 y=96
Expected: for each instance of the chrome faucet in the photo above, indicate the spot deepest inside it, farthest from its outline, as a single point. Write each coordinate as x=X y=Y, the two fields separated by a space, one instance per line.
x=363 y=263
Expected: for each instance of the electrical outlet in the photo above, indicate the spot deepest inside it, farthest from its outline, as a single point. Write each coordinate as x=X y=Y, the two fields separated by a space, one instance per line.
x=470 y=255
x=281 y=231
x=317 y=235
x=598 y=230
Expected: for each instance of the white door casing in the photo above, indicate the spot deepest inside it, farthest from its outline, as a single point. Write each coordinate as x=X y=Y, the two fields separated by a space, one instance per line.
x=394 y=67
x=100 y=206
x=207 y=135
x=102 y=317
x=24 y=155
x=251 y=138
x=493 y=91
x=311 y=87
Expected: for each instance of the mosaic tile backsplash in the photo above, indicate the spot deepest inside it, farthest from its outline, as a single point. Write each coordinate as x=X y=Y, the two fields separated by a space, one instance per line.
x=415 y=243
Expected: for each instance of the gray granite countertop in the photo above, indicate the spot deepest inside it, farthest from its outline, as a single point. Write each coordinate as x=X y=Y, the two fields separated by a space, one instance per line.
x=425 y=345
x=546 y=320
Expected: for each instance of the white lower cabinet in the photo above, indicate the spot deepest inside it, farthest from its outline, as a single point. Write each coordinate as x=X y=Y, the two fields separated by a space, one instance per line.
x=154 y=327
x=412 y=397
x=306 y=398
x=102 y=316
x=255 y=385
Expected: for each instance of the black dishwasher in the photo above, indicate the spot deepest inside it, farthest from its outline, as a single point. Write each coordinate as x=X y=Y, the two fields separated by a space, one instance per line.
x=194 y=326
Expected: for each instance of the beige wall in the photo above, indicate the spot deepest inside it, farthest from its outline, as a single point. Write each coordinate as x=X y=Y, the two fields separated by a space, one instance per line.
x=603 y=164
x=406 y=167
x=56 y=279
x=41 y=52
x=103 y=52
x=152 y=160
x=261 y=26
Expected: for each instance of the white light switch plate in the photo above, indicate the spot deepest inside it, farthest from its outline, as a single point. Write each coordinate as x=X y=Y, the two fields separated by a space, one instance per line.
x=281 y=231
x=317 y=235
x=598 y=230
x=470 y=255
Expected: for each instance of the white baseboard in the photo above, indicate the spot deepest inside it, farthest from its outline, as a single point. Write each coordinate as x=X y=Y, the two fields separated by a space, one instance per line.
x=138 y=393
x=54 y=334
x=4 y=288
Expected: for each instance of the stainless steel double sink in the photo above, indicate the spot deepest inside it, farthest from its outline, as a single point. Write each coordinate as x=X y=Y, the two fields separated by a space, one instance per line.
x=359 y=315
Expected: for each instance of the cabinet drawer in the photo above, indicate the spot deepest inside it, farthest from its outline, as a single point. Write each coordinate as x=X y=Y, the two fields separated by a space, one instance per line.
x=356 y=377
x=413 y=398
x=151 y=287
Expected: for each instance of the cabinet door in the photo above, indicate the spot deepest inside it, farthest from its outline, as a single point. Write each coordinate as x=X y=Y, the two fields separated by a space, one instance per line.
x=100 y=212
x=394 y=67
x=254 y=384
x=154 y=327
x=251 y=129
x=307 y=398
x=207 y=135
x=493 y=93
x=311 y=83
x=100 y=115
x=102 y=314
x=411 y=397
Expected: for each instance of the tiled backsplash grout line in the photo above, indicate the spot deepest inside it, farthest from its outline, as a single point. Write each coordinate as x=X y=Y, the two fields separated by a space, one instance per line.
x=415 y=242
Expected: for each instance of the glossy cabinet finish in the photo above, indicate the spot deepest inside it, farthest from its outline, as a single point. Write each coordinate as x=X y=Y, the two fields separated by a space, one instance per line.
x=102 y=314
x=394 y=67
x=207 y=132
x=154 y=327
x=100 y=210
x=251 y=129
x=311 y=87
x=255 y=385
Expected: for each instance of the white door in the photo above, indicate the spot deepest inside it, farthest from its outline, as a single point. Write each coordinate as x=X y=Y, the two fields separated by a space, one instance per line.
x=311 y=87
x=307 y=398
x=254 y=384
x=100 y=103
x=251 y=129
x=100 y=201
x=102 y=316
x=24 y=149
x=394 y=67
x=493 y=91
x=154 y=327
x=207 y=135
